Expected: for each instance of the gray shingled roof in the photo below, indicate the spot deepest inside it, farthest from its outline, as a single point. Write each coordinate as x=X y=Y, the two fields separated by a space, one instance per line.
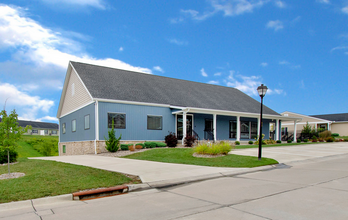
x=37 y=124
x=116 y=84
x=333 y=117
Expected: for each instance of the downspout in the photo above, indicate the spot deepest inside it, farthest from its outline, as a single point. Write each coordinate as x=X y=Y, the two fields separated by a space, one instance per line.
x=96 y=126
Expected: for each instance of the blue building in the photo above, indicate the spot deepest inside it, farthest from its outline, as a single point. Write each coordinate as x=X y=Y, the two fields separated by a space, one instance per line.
x=146 y=107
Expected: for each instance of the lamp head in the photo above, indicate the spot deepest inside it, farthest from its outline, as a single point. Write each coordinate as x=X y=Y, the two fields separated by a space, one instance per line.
x=262 y=90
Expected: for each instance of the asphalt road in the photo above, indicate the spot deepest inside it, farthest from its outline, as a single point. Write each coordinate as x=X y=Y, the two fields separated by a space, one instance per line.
x=311 y=189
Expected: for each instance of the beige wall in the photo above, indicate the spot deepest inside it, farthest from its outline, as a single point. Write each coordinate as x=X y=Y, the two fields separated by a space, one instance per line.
x=340 y=128
x=80 y=97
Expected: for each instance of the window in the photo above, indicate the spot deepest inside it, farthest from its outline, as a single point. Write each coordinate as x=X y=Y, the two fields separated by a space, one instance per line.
x=73 y=125
x=63 y=128
x=244 y=130
x=34 y=131
x=253 y=130
x=118 y=119
x=73 y=89
x=46 y=131
x=54 y=132
x=233 y=129
x=154 y=122
x=86 y=122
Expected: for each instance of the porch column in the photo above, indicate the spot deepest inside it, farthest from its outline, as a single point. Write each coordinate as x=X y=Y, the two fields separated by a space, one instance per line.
x=238 y=128
x=214 y=126
x=295 y=130
x=277 y=130
x=183 y=126
x=328 y=126
x=258 y=126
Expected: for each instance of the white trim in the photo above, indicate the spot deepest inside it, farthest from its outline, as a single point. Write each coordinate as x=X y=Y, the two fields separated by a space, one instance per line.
x=320 y=119
x=184 y=126
x=96 y=119
x=214 y=125
x=76 y=109
x=339 y=122
x=238 y=128
x=304 y=123
x=277 y=129
x=131 y=102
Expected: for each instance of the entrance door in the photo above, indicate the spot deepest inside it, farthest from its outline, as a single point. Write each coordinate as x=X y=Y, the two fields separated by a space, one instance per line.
x=179 y=126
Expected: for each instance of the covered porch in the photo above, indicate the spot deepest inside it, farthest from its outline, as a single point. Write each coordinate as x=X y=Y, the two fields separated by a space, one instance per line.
x=210 y=124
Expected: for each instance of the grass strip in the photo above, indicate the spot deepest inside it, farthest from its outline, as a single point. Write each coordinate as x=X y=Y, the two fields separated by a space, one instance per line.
x=184 y=156
x=50 y=178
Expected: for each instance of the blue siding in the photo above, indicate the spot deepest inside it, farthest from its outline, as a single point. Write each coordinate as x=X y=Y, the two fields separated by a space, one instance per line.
x=81 y=134
x=136 y=121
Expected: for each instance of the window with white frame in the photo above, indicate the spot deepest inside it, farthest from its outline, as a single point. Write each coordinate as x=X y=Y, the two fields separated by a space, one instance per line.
x=63 y=128
x=119 y=120
x=54 y=132
x=154 y=122
x=73 y=89
x=86 y=122
x=34 y=131
x=73 y=125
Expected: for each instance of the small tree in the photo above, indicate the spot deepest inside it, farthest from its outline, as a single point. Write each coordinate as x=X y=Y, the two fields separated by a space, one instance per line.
x=307 y=129
x=10 y=132
x=112 y=144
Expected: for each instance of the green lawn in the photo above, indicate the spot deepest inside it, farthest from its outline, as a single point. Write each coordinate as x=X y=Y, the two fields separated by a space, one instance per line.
x=26 y=150
x=184 y=156
x=50 y=178
x=276 y=145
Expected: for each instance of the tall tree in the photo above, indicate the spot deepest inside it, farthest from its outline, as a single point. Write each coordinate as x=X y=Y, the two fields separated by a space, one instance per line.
x=10 y=132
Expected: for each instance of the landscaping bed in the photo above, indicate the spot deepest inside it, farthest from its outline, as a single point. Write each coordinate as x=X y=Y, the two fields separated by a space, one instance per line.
x=184 y=156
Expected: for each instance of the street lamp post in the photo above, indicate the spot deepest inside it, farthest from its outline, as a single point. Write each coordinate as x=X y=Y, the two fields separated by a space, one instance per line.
x=262 y=92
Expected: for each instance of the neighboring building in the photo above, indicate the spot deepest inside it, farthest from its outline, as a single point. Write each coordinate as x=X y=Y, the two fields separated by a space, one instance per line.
x=39 y=128
x=336 y=123
x=146 y=107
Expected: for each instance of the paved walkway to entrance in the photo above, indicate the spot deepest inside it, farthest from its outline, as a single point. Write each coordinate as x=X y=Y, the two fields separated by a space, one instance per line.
x=157 y=174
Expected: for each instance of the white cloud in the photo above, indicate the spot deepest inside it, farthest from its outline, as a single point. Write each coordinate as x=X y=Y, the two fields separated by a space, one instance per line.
x=158 y=68
x=345 y=10
x=280 y=4
x=324 y=1
x=35 y=44
x=178 y=42
x=339 y=48
x=121 y=49
x=276 y=25
x=302 y=85
x=284 y=62
x=93 y=3
x=248 y=84
x=264 y=64
x=215 y=82
x=47 y=118
x=204 y=73
x=26 y=106
x=217 y=74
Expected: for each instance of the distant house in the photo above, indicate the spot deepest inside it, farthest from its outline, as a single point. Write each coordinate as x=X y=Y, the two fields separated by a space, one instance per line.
x=40 y=128
x=146 y=107
x=336 y=123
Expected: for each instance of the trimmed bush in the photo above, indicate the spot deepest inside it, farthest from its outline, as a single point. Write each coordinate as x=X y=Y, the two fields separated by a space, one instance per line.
x=125 y=146
x=289 y=141
x=237 y=143
x=279 y=141
x=330 y=139
x=3 y=156
x=160 y=144
x=189 y=140
x=305 y=140
x=298 y=140
x=335 y=135
x=345 y=140
x=325 y=134
x=139 y=146
x=171 y=140
x=250 y=142
x=150 y=144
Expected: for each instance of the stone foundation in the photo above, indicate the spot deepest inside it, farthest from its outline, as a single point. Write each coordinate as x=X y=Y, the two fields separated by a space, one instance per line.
x=87 y=147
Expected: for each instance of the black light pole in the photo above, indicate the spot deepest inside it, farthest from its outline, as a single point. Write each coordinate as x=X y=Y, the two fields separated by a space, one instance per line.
x=262 y=92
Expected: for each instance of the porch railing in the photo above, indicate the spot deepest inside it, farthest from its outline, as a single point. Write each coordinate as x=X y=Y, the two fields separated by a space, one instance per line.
x=208 y=135
x=195 y=135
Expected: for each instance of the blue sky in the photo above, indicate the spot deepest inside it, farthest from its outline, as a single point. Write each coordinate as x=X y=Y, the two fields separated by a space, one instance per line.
x=299 y=49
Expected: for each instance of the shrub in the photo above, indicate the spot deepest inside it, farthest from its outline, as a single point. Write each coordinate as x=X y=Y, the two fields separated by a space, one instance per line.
x=3 y=155
x=270 y=141
x=124 y=146
x=160 y=144
x=325 y=134
x=202 y=149
x=189 y=140
x=237 y=143
x=298 y=140
x=289 y=141
x=112 y=144
x=335 y=135
x=305 y=140
x=150 y=144
x=250 y=142
x=214 y=149
x=321 y=139
x=279 y=141
x=330 y=139
x=171 y=140
x=139 y=146
x=47 y=147
x=345 y=140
